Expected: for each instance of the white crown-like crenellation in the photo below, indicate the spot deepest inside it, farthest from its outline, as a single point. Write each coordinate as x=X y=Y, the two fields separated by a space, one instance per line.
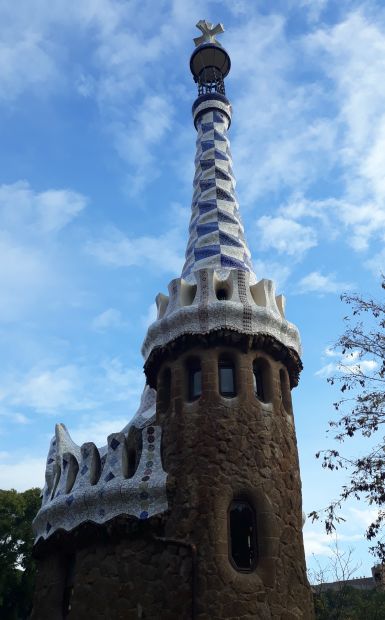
x=220 y=299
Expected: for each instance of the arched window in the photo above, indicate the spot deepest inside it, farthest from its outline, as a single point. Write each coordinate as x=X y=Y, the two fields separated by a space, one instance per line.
x=226 y=373
x=134 y=450
x=261 y=380
x=285 y=390
x=259 y=390
x=194 y=380
x=242 y=535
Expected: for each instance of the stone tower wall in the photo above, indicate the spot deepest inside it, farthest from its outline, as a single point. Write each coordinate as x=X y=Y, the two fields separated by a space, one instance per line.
x=216 y=449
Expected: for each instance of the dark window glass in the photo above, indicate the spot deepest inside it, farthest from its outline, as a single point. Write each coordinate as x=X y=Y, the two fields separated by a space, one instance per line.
x=222 y=294
x=195 y=383
x=131 y=462
x=259 y=388
x=242 y=534
x=68 y=584
x=226 y=379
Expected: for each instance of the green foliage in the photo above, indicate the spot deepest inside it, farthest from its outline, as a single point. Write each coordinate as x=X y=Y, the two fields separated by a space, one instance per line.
x=17 y=568
x=348 y=603
x=360 y=411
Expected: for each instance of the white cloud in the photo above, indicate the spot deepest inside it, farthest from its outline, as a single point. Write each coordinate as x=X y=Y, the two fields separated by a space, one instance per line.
x=42 y=212
x=29 y=263
x=161 y=252
x=121 y=383
x=346 y=363
x=24 y=65
x=23 y=275
x=20 y=418
x=89 y=391
x=109 y=319
x=363 y=517
x=316 y=282
x=50 y=390
x=376 y=263
x=330 y=353
x=327 y=370
x=360 y=222
x=316 y=542
x=150 y=316
x=272 y=270
x=278 y=140
x=136 y=140
x=22 y=475
x=336 y=124
x=352 y=53
x=97 y=430
x=285 y=236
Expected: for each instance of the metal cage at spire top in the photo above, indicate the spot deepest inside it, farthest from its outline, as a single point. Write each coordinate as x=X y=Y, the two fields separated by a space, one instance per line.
x=209 y=63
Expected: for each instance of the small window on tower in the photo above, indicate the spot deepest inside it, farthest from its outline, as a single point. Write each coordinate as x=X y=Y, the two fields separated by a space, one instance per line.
x=261 y=380
x=226 y=378
x=258 y=383
x=242 y=536
x=194 y=381
x=134 y=451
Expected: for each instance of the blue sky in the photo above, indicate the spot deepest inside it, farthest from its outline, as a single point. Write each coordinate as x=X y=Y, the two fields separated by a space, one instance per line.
x=96 y=165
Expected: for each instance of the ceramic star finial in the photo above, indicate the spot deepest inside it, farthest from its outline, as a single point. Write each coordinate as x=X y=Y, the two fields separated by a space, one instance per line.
x=208 y=32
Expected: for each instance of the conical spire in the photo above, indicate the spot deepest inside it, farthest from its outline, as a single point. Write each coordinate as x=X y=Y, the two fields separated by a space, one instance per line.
x=216 y=234
x=218 y=290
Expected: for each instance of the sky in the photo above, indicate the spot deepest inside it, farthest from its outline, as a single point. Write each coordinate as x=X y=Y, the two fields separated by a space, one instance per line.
x=96 y=166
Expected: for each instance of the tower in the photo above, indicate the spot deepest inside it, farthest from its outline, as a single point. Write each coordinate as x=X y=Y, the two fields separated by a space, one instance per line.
x=194 y=509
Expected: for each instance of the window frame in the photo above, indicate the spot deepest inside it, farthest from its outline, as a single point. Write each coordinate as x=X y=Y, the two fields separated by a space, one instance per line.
x=264 y=369
x=259 y=382
x=254 y=537
x=226 y=363
x=192 y=370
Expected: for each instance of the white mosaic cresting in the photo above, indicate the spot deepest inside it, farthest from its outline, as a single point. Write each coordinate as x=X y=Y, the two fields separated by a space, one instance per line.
x=196 y=309
x=84 y=483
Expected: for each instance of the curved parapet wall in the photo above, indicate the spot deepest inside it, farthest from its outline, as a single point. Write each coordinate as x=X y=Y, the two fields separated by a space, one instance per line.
x=220 y=300
x=90 y=484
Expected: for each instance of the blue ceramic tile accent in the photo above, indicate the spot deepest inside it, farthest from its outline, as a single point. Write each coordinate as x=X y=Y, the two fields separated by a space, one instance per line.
x=231 y=263
x=205 y=127
x=225 y=239
x=205 y=229
x=214 y=175
x=206 y=252
x=206 y=145
x=114 y=443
